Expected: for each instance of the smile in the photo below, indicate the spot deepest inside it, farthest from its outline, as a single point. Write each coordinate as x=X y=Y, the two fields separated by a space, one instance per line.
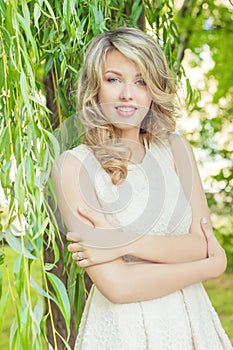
x=126 y=110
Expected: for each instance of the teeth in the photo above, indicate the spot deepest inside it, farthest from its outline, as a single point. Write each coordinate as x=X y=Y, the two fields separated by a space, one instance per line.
x=126 y=109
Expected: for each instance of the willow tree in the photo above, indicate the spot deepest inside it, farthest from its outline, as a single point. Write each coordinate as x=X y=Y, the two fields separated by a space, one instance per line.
x=41 y=48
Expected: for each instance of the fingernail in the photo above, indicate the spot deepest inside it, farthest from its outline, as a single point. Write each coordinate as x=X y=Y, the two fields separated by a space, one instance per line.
x=81 y=209
x=204 y=221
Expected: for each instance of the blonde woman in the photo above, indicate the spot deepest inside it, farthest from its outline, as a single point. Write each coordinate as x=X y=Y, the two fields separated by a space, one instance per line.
x=133 y=202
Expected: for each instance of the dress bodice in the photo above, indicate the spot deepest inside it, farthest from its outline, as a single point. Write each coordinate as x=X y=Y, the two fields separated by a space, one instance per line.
x=151 y=199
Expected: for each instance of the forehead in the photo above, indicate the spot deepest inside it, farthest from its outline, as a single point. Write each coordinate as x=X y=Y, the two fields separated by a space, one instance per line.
x=116 y=60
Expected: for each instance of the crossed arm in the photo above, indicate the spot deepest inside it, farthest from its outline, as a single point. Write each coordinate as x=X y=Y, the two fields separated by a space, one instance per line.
x=174 y=262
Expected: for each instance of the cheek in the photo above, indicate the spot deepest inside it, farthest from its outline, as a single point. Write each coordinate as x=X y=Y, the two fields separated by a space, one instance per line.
x=100 y=95
x=103 y=95
x=149 y=98
x=144 y=99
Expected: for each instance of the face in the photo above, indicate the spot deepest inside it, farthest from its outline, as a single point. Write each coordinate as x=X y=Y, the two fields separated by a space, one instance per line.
x=123 y=94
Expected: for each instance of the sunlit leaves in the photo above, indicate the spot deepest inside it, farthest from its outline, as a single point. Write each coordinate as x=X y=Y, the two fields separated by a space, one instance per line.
x=18 y=245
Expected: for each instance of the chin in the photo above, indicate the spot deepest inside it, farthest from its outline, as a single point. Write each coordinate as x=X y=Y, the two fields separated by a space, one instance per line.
x=126 y=126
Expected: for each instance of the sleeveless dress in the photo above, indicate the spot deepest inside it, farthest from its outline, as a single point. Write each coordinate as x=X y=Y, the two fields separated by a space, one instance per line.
x=184 y=320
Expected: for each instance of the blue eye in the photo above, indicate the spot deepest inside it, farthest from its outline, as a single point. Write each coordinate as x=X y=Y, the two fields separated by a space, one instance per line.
x=113 y=80
x=141 y=82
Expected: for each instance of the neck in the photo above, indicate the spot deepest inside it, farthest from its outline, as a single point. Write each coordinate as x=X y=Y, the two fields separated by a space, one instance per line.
x=136 y=148
x=131 y=135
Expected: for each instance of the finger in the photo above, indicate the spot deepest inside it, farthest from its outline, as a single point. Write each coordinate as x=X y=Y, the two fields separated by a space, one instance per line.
x=207 y=228
x=83 y=263
x=73 y=236
x=79 y=260
x=75 y=247
x=78 y=256
x=89 y=214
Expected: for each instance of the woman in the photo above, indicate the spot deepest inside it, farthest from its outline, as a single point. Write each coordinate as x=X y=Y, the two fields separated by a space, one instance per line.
x=132 y=197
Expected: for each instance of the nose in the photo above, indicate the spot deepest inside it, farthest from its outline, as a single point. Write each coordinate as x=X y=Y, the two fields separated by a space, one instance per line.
x=126 y=92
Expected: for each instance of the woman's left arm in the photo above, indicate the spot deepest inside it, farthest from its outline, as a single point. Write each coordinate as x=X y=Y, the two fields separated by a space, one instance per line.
x=187 y=247
x=164 y=249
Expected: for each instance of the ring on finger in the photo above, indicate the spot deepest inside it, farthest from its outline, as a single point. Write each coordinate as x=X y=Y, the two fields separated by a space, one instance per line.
x=79 y=258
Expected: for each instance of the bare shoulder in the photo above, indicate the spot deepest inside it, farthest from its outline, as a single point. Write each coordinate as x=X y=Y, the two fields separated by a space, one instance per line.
x=71 y=159
x=66 y=179
x=180 y=146
x=177 y=140
x=66 y=168
x=66 y=159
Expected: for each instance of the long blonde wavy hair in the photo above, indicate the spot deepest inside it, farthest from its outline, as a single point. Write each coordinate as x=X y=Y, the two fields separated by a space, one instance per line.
x=104 y=138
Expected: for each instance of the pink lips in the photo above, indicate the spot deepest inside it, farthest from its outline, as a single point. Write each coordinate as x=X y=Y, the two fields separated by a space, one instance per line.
x=126 y=110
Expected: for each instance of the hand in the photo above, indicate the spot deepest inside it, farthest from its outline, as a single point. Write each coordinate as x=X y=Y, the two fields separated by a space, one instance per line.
x=97 y=219
x=93 y=219
x=216 y=253
x=84 y=255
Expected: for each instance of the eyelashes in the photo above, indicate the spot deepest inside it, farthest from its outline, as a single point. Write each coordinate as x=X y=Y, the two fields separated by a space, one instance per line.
x=113 y=80
x=140 y=82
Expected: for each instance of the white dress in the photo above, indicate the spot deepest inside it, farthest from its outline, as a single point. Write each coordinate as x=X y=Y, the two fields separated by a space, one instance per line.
x=184 y=320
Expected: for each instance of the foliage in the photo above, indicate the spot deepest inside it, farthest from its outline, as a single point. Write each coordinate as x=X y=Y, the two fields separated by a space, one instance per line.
x=208 y=31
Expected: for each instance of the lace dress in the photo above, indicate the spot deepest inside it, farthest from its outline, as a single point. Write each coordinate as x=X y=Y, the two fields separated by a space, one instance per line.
x=184 y=320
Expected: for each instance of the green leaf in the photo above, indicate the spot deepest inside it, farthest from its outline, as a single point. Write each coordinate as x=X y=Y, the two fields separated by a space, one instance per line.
x=38 y=313
x=19 y=189
x=10 y=14
x=30 y=174
x=50 y=10
x=63 y=101
x=71 y=284
x=19 y=267
x=16 y=244
x=49 y=64
x=53 y=144
x=27 y=31
x=37 y=14
x=2 y=257
x=5 y=174
x=3 y=8
x=14 y=335
x=25 y=90
x=0 y=283
x=79 y=298
x=61 y=297
x=3 y=307
x=40 y=290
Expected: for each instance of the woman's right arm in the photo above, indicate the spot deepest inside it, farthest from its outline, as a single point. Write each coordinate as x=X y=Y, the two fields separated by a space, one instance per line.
x=125 y=283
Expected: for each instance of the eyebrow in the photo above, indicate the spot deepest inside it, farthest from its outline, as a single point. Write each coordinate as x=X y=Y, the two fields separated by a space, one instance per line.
x=119 y=74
